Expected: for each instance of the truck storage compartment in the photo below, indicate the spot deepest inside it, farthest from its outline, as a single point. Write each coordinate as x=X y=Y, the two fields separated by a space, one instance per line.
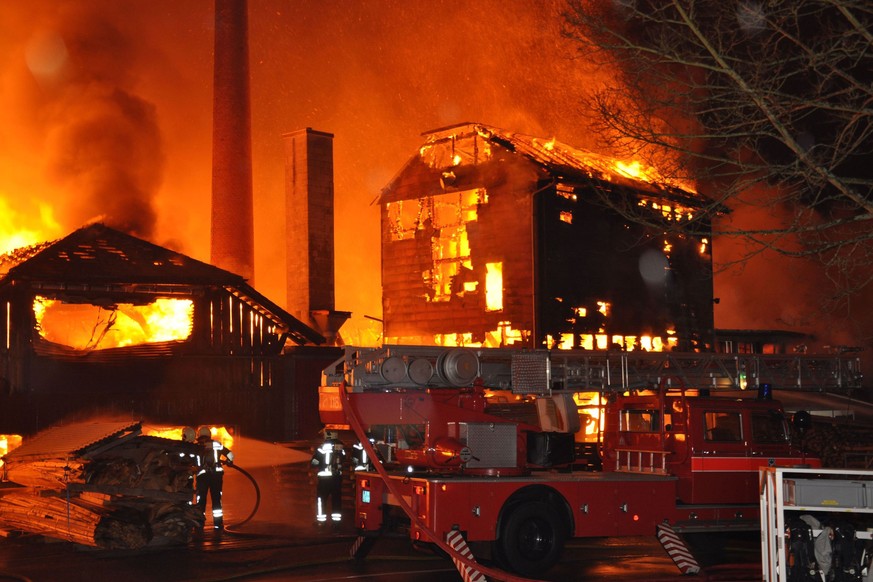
x=825 y=493
x=548 y=449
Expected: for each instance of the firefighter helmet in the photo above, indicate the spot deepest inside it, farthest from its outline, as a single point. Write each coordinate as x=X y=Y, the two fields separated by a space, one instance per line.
x=330 y=434
x=188 y=434
x=204 y=432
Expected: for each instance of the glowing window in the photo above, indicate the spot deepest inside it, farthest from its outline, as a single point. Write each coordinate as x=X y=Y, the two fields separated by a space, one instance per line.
x=494 y=286
x=84 y=326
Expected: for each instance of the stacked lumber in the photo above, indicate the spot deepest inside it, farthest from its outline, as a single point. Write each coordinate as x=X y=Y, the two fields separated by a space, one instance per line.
x=128 y=495
x=48 y=474
x=49 y=515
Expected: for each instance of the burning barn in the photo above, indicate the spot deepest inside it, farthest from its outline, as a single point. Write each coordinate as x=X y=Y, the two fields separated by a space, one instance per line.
x=104 y=322
x=491 y=238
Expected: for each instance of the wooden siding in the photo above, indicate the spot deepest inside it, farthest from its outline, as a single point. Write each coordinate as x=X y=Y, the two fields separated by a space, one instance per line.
x=501 y=233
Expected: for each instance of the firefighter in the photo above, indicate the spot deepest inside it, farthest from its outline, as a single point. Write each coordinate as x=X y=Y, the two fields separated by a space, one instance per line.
x=190 y=459
x=360 y=460
x=210 y=479
x=189 y=435
x=327 y=461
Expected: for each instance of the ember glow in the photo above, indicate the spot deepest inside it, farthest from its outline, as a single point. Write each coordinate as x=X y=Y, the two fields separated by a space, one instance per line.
x=90 y=327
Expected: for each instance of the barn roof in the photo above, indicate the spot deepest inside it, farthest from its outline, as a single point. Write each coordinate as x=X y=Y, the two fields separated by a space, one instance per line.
x=97 y=255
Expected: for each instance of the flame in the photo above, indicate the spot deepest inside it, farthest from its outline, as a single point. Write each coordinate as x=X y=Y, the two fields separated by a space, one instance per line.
x=85 y=326
x=8 y=442
x=219 y=433
x=494 y=286
x=588 y=405
x=169 y=432
x=505 y=335
x=18 y=231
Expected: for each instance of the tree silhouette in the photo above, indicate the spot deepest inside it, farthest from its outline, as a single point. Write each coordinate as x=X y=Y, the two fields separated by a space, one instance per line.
x=765 y=103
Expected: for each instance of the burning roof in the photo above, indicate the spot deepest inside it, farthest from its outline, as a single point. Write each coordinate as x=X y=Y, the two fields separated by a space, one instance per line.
x=97 y=258
x=474 y=143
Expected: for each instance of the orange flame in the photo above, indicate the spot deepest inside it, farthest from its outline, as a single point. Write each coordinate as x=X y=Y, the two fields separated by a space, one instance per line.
x=84 y=327
x=8 y=442
x=219 y=433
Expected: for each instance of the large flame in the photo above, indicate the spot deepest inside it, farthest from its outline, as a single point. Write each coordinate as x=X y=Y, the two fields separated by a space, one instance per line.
x=88 y=327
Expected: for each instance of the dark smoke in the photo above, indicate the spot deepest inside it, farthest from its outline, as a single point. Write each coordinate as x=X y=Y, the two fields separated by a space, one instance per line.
x=104 y=146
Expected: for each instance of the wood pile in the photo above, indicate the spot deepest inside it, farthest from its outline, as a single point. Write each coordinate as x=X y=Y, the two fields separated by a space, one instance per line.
x=126 y=491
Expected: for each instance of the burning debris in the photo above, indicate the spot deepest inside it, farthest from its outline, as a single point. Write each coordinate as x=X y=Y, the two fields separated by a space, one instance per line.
x=102 y=484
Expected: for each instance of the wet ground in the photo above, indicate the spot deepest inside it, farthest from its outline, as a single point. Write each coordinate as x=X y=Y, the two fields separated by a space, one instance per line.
x=280 y=541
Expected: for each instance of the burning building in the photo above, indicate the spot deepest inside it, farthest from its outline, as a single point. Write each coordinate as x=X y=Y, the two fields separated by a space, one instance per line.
x=101 y=321
x=492 y=238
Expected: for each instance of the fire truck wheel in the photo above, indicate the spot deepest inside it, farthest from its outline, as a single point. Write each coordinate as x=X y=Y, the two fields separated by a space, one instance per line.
x=531 y=539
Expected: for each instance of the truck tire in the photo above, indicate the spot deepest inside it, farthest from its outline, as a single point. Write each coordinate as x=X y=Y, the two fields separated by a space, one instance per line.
x=531 y=539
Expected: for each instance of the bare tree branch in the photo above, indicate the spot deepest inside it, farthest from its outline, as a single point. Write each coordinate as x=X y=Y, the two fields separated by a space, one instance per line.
x=741 y=98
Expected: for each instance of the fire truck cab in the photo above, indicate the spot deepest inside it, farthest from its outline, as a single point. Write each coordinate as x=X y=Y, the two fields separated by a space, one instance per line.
x=483 y=443
x=712 y=445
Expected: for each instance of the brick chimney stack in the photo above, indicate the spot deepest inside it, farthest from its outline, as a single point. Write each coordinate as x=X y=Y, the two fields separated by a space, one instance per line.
x=232 y=214
x=309 y=231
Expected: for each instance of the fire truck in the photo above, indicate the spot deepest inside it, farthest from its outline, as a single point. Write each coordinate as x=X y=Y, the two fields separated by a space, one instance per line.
x=482 y=445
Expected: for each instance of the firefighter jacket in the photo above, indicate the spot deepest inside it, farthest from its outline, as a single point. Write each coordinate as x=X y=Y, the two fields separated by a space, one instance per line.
x=360 y=460
x=212 y=457
x=328 y=459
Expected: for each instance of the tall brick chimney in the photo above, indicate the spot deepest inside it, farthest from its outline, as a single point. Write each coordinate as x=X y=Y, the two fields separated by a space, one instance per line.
x=232 y=215
x=309 y=242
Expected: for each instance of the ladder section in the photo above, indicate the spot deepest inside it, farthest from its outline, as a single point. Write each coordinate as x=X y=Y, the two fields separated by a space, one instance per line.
x=544 y=371
x=641 y=461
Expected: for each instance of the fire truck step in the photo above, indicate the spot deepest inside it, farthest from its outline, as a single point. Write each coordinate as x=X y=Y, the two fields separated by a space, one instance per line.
x=677 y=549
x=361 y=547
x=456 y=541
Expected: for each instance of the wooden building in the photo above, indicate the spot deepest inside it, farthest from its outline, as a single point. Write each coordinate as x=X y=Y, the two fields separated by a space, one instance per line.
x=104 y=323
x=492 y=238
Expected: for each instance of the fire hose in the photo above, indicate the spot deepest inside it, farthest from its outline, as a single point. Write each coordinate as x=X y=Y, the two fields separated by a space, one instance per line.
x=456 y=556
x=257 y=493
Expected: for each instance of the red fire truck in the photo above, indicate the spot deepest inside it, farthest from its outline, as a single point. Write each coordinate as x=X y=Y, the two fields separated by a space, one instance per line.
x=484 y=442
